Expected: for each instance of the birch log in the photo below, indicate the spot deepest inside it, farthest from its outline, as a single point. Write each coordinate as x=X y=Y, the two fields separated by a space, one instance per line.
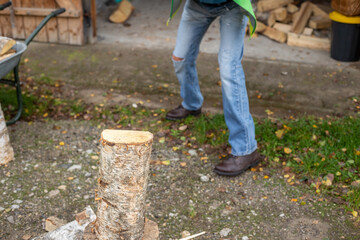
x=122 y=183
x=6 y=151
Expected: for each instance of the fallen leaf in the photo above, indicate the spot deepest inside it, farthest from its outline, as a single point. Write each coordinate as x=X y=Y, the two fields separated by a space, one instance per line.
x=280 y=133
x=26 y=237
x=354 y=213
x=162 y=140
x=287 y=150
x=166 y=162
x=183 y=128
x=61 y=143
x=294 y=200
x=269 y=112
x=183 y=164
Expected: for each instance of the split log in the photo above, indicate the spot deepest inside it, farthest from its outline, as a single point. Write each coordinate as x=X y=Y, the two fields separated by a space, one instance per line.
x=73 y=230
x=319 y=22
x=291 y=8
x=272 y=19
x=280 y=14
x=123 y=177
x=303 y=17
x=260 y=27
x=6 y=151
x=287 y=28
x=318 y=11
x=6 y=55
x=67 y=4
x=267 y=5
x=5 y=45
x=308 y=42
x=275 y=34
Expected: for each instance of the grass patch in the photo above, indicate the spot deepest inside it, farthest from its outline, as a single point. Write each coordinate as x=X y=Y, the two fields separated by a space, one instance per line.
x=324 y=151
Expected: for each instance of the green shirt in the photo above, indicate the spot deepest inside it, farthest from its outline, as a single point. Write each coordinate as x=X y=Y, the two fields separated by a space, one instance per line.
x=245 y=4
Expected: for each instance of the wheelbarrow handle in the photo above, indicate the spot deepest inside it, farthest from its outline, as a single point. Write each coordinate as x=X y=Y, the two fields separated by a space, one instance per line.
x=43 y=23
x=5 y=5
x=58 y=11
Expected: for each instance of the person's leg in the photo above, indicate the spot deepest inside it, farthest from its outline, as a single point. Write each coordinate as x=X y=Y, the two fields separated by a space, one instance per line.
x=235 y=98
x=193 y=25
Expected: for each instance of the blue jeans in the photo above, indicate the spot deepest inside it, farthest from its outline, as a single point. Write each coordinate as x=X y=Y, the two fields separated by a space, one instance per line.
x=195 y=21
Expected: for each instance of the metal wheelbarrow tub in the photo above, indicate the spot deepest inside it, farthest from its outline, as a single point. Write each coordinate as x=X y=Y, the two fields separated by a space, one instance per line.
x=8 y=64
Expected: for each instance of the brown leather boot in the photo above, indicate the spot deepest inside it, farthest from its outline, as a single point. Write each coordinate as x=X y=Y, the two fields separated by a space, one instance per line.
x=180 y=112
x=235 y=165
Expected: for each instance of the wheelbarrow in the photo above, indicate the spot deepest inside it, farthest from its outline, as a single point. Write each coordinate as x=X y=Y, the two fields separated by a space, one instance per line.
x=12 y=63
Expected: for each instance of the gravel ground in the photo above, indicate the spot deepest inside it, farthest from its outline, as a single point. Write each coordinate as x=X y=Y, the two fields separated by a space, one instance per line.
x=55 y=174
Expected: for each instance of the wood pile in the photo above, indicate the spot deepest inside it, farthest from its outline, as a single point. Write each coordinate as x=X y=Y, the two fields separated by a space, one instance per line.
x=297 y=25
x=6 y=45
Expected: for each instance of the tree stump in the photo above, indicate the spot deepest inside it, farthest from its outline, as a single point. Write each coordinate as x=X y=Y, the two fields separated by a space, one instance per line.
x=6 y=151
x=122 y=183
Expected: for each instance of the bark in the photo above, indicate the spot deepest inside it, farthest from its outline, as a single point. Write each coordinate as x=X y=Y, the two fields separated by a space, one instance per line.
x=122 y=183
x=6 y=151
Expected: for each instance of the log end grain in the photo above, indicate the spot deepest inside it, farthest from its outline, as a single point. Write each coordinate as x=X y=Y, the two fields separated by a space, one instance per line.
x=127 y=137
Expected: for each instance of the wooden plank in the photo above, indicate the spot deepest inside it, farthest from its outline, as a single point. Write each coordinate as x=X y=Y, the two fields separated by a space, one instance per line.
x=51 y=26
x=93 y=17
x=267 y=5
x=5 y=24
x=308 y=42
x=42 y=35
x=63 y=28
x=319 y=22
x=18 y=31
x=40 y=12
x=76 y=26
x=304 y=15
x=29 y=21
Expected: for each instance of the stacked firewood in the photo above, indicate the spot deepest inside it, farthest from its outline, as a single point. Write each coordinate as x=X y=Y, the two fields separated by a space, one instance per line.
x=6 y=49
x=285 y=22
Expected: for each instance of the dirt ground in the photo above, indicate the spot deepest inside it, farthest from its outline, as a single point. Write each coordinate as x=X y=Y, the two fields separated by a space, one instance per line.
x=48 y=179
x=286 y=88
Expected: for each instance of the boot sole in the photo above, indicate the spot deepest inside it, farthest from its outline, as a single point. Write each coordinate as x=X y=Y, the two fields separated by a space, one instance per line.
x=175 y=119
x=233 y=174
